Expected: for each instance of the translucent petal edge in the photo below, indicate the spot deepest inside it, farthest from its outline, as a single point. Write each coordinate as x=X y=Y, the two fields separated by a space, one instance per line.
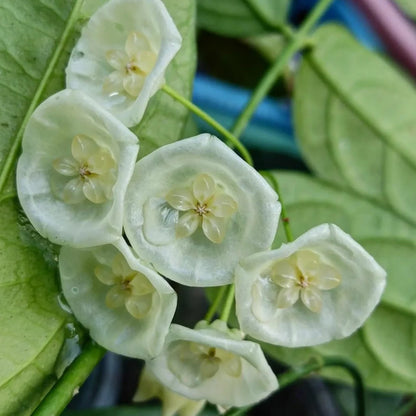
x=143 y=338
x=250 y=270
x=259 y=383
x=212 y=148
x=49 y=219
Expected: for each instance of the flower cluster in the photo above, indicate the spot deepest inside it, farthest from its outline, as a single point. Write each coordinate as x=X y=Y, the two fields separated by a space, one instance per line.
x=192 y=211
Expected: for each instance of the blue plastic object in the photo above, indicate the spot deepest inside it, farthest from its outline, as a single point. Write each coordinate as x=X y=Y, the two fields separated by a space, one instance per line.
x=271 y=127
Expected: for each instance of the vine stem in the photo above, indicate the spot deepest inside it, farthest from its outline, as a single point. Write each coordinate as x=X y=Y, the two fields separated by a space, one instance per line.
x=215 y=304
x=406 y=408
x=207 y=118
x=296 y=42
x=74 y=376
x=312 y=366
x=284 y=215
x=229 y=302
x=14 y=150
x=291 y=376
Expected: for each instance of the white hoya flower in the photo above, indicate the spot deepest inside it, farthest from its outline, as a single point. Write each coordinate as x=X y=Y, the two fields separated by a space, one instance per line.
x=172 y=403
x=194 y=208
x=320 y=287
x=126 y=306
x=73 y=173
x=122 y=55
x=213 y=363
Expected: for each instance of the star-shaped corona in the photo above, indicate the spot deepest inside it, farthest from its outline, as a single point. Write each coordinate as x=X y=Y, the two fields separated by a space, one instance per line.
x=92 y=169
x=132 y=65
x=203 y=204
x=303 y=274
x=128 y=287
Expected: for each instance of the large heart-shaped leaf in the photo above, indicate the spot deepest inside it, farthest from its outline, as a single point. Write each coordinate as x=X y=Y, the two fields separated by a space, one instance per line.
x=32 y=328
x=355 y=119
x=384 y=349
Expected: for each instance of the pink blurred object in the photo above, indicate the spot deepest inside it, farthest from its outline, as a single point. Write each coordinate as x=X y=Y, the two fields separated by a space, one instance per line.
x=396 y=31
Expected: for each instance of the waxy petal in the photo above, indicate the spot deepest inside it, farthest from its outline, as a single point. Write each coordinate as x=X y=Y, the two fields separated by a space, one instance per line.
x=139 y=306
x=73 y=193
x=198 y=167
x=140 y=285
x=135 y=43
x=117 y=59
x=66 y=166
x=330 y=310
x=133 y=83
x=94 y=191
x=232 y=372
x=83 y=147
x=113 y=83
x=209 y=367
x=214 y=228
x=115 y=297
x=231 y=364
x=203 y=188
x=76 y=128
x=223 y=206
x=181 y=199
x=144 y=32
x=308 y=262
x=284 y=274
x=101 y=162
x=287 y=297
x=146 y=60
x=120 y=267
x=105 y=275
x=135 y=326
x=312 y=299
x=187 y=224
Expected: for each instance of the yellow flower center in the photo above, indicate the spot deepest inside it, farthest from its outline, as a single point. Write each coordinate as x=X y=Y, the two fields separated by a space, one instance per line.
x=304 y=274
x=92 y=169
x=203 y=204
x=131 y=66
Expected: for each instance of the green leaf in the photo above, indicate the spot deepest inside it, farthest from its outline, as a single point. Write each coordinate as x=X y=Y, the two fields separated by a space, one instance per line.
x=165 y=119
x=31 y=32
x=269 y=45
x=32 y=328
x=408 y=6
x=384 y=349
x=271 y=11
x=355 y=120
x=234 y=18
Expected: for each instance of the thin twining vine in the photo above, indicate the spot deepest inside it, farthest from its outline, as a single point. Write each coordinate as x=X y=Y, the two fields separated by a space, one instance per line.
x=284 y=214
x=317 y=364
x=297 y=41
x=207 y=118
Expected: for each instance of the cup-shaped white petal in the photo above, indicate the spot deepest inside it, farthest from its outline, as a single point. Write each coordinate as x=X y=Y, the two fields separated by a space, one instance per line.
x=205 y=255
x=340 y=294
x=118 y=320
x=121 y=30
x=237 y=376
x=57 y=205
x=203 y=187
